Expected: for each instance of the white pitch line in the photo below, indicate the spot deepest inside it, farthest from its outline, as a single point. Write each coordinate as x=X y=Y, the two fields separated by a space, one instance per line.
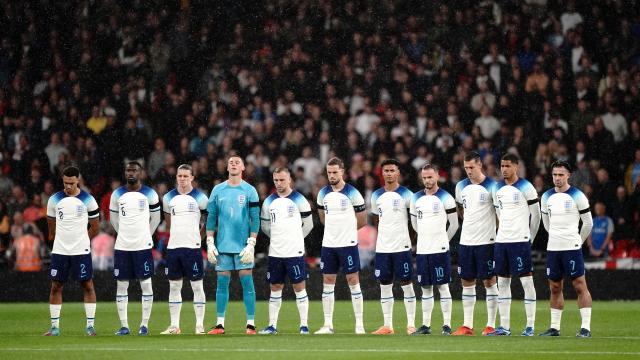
x=236 y=350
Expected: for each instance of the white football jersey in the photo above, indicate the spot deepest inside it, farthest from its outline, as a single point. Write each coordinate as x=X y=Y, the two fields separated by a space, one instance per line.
x=564 y=211
x=512 y=206
x=134 y=209
x=72 y=214
x=185 y=210
x=431 y=217
x=285 y=215
x=340 y=208
x=479 y=225
x=392 y=209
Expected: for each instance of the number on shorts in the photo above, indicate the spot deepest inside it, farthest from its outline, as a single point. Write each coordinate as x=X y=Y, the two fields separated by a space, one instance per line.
x=83 y=269
x=406 y=267
x=195 y=267
x=573 y=265
x=350 y=260
x=146 y=266
x=519 y=260
x=296 y=270
x=440 y=272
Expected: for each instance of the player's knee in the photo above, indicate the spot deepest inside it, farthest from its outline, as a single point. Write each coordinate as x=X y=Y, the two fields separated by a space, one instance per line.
x=87 y=286
x=580 y=285
x=386 y=282
x=353 y=279
x=555 y=287
x=278 y=287
x=56 y=287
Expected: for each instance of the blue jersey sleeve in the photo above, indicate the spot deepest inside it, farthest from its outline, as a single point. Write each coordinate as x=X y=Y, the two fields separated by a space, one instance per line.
x=212 y=210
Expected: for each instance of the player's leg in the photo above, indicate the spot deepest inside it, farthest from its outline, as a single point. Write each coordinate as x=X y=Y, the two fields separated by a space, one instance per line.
x=351 y=265
x=579 y=282
x=404 y=272
x=144 y=272
x=82 y=270
x=123 y=272
x=467 y=273
x=174 y=274
x=248 y=293
x=302 y=302
x=383 y=267
x=556 y=298
x=58 y=274
x=193 y=265
x=329 y=265
x=275 y=275
x=424 y=279
x=504 y=289
x=223 y=269
x=524 y=271
x=484 y=262
x=442 y=274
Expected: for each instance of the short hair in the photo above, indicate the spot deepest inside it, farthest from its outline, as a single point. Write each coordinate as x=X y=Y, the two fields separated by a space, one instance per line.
x=430 y=166
x=134 y=163
x=186 y=167
x=513 y=158
x=235 y=156
x=71 y=171
x=561 y=163
x=282 y=169
x=391 y=161
x=336 y=161
x=471 y=156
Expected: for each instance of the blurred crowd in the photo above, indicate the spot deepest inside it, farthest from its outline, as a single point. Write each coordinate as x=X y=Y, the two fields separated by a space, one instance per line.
x=293 y=83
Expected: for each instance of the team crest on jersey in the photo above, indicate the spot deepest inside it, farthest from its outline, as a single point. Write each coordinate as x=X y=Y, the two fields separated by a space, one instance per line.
x=483 y=197
x=568 y=204
x=142 y=203
x=80 y=210
x=516 y=197
x=290 y=210
x=343 y=204
x=436 y=207
x=242 y=199
x=192 y=206
x=396 y=204
x=54 y=272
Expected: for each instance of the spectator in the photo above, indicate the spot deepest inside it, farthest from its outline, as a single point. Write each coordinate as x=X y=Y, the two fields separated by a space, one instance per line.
x=601 y=233
x=27 y=252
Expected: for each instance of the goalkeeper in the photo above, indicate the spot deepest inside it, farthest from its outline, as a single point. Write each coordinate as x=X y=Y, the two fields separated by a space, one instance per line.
x=234 y=208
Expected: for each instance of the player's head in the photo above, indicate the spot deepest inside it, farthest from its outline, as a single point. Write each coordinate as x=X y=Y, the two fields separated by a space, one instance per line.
x=70 y=179
x=184 y=175
x=282 y=180
x=560 y=171
x=390 y=170
x=235 y=165
x=429 y=175
x=335 y=170
x=509 y=166
x=473 y=165
x=132 y=172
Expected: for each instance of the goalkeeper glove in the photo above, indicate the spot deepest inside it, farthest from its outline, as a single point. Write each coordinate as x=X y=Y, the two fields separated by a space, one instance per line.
x=212 y=252
x=246 y=255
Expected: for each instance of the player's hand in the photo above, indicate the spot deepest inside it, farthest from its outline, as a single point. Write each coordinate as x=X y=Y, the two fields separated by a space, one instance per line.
x=212 y=252
x=246 y=255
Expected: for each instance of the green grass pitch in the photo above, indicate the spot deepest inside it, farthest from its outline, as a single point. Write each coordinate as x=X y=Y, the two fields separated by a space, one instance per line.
x=615 y=327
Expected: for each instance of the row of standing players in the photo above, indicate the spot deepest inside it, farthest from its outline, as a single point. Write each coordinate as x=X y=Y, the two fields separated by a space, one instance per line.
x=234 y=216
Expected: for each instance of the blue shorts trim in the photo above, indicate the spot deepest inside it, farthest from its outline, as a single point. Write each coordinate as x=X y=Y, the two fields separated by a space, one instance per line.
x=78 y=266
x=184 y=263
x=231 y=262
x=390 y=266
x=562 y=264
x=475 y=261
x=280 y=268
x=433 y=269
x=129 y=265
x=332 y=259
x=513 y=258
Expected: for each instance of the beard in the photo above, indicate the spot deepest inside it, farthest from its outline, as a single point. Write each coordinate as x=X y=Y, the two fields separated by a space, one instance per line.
x=131 y=181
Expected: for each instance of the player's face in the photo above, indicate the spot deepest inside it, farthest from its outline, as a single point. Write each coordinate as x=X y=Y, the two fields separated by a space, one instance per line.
x=70 y=184
x=184 y=178
x=235 y=166
x=334 y=174
x=560 y=176
x=282 y=182
x=429 y=178
x=132 y=173
x=390 y=173
x=473 y=169
x=508 y=169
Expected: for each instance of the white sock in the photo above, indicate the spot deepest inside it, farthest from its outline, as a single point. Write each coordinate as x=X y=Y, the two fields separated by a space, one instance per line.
x=585 y=314
x=175 y=301
x=446 y=303
x=386 y=301
x=302 y=300
x=529 y=299
x=492 y=304
x=328 y=300
x=504 y=301
x=90 y=311
x=54 y=310
x=427 y=304
x=147 y=301
x=410 y=304
x=556 y=317
x=275 y=301
x=220 y=320
x=468 y=304
x=199 y=301
x=122 y=300
x=358 y=303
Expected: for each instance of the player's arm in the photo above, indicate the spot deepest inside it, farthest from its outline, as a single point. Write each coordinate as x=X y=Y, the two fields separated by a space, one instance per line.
x=154 y=211
x=254 y=213
x=94 y=227
x=375 y=219
x=265 y=219
x=359 y=207
x=51 y=219
x=534 y=209
x=307 y=220
x=413 y=216
x=114 y=212
x=361 y=218
x=93 y=213
x=203 y=201
x=321 y=210
x=544 y=211
x=460 y=210
x=587 y=224
x=212 y=215
x=452 y=219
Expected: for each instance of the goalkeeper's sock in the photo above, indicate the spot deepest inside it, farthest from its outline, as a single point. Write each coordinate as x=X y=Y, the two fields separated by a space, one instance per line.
x=492 y=304
x=90 y=312
x=446 y=303
x=386 y=302
x=427 y=304
x=249 y=297
x=302 y=300
x=122 y=301
x=468 y=304
x=275 y=301
x=529 y=299
x=198 y=301
x=504 y=302
x=54 y=310
x=410 y=304
x=328 y=301
x=358 y=303
x=147 y=301
x=175 y=301
x=222 y=297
